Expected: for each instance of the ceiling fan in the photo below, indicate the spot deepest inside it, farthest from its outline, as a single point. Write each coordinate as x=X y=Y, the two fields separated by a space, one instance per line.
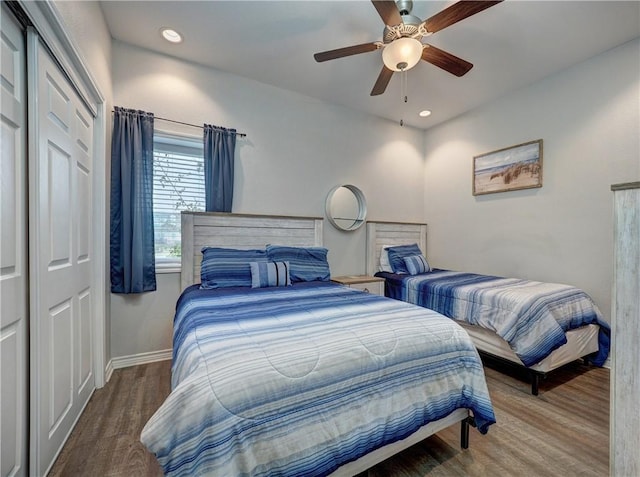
x=402 y=48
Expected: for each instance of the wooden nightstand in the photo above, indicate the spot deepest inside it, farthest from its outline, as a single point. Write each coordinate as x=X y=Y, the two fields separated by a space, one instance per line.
x=366 y=283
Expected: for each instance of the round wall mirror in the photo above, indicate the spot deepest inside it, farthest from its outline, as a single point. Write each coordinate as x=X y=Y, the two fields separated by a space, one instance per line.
x=346 y=207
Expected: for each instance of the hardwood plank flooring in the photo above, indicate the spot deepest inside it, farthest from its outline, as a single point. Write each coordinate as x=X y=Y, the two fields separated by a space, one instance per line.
x=562 y=432
x=106 y=439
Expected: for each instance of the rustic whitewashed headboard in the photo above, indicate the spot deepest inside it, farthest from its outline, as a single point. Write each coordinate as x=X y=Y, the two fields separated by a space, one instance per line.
x=243 y=231
x=380 y=234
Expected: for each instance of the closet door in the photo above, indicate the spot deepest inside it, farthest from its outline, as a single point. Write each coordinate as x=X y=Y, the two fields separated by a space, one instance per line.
x=61 y=261
x=13 y=251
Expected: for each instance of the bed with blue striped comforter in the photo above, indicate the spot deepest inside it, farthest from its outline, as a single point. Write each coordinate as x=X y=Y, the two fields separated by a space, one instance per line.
x=531 y=316
x=300 y=380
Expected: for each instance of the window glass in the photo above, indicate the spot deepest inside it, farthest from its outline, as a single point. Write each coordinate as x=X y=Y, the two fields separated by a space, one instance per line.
x=178 y=184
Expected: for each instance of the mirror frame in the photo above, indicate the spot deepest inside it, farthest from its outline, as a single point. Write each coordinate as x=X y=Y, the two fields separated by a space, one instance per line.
x=362 y=208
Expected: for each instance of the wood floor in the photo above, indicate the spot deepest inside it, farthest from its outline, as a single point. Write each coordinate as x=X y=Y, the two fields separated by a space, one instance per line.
x=562 y=432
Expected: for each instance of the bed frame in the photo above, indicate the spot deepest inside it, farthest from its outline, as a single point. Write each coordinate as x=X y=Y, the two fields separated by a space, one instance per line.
x=580 y=342
x=244 y=231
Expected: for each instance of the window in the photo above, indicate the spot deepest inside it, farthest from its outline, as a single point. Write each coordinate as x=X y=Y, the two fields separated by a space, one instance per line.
x=178 y=184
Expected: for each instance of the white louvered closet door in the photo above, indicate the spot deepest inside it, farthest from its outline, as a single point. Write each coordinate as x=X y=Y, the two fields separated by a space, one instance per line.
x=61 y=258
x=13 y=254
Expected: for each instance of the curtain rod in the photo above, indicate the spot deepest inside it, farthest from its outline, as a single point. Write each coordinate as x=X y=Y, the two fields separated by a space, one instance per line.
x=187 y=124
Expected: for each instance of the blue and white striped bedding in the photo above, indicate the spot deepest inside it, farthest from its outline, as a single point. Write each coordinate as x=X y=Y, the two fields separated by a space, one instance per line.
x=531 y=316
x=300 y=380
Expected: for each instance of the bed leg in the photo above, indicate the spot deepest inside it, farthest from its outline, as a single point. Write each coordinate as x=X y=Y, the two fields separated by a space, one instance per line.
x=535 y=382
x=464 y=431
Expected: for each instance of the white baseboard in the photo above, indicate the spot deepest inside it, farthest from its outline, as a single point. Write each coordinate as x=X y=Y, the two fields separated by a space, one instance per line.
x=141 y=358
x=108 y=371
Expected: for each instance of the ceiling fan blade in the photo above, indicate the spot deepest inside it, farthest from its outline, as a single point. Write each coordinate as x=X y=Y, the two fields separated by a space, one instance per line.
x=347 y=51
x=456 y=12
x=446 y=61
x=388 y=11
x=383 y=80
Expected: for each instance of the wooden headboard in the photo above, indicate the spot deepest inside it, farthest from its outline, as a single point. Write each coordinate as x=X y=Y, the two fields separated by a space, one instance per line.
x=380 y=234
x=243 y=231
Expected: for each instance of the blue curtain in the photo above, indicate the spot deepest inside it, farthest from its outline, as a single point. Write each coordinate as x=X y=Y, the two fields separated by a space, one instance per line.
x=219 y=151
x=133 y=268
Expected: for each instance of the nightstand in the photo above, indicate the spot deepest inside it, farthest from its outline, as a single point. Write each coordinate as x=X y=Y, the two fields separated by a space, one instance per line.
x=366 y=283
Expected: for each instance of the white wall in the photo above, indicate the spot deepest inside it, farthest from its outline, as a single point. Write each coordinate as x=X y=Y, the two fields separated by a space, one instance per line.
x=86 y=25
x=296 y=150
x=589 y=118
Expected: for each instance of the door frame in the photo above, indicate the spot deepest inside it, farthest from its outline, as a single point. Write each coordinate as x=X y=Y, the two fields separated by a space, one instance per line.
x=50 y=28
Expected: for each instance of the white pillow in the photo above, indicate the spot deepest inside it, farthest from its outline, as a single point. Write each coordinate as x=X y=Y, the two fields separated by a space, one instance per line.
x=385 y=266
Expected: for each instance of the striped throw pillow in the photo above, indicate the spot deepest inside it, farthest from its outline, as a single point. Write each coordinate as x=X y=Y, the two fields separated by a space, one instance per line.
x=307 y=263
x=416 y=264
x=270 y=274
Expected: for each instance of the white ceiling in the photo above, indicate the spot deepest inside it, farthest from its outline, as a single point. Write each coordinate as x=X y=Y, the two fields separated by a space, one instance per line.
x=511 y=45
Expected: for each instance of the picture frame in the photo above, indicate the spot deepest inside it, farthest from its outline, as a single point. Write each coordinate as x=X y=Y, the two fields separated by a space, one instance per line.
x=511 y=168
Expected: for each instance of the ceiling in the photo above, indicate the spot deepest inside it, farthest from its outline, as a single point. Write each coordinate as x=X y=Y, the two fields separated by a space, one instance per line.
x=511 y=44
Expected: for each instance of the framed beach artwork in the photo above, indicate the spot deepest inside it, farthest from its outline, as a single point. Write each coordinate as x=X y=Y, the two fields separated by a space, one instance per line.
x=511 y=168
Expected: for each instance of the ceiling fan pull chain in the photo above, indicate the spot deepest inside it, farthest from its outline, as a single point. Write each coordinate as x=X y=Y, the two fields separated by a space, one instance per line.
x=404 y=89
x=406 y=85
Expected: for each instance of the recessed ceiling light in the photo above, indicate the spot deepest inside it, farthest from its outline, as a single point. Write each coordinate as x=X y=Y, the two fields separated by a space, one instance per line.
x=171 y=35
x=425 y=113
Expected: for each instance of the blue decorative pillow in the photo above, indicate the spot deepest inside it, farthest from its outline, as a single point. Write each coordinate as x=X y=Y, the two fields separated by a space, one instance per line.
x=228 y=267
x=306 y=263
x=397 y=254
x=416 y=264
x=270 y=274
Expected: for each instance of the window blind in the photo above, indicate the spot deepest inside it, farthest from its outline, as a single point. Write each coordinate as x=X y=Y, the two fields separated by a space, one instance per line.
x=178 y=184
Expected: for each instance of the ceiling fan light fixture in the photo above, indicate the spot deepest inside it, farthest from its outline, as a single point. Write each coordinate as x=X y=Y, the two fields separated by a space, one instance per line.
x=402 y=54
